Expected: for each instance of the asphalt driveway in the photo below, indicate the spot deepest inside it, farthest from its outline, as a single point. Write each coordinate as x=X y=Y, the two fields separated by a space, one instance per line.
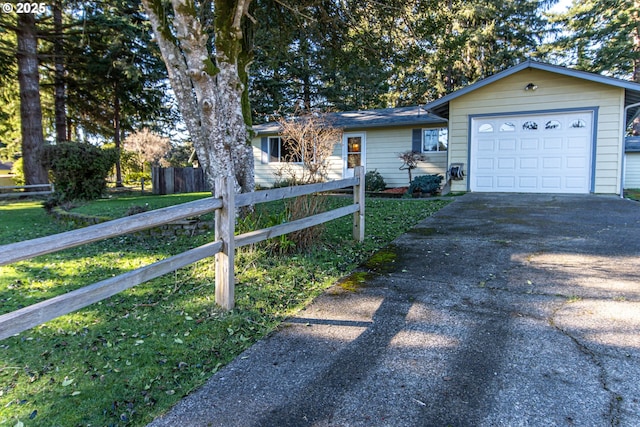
x=500 y=310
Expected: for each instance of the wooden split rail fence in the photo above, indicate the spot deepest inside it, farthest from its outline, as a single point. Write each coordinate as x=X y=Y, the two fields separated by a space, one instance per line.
x=10 y=191
x=224 y=203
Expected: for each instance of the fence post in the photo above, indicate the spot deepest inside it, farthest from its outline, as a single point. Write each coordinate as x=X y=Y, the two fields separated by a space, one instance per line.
x=224 y=230
x=358 y=198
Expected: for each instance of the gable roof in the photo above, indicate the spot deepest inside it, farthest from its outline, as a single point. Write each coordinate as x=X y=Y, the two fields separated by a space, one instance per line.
x=350 y=120
x=632 y=90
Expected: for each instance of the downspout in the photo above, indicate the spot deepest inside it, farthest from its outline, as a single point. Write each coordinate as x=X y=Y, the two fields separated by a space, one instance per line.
x=624 y=156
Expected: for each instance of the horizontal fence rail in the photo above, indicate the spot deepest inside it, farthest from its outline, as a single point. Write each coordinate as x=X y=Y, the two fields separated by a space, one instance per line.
x=299 y=224
x=224 y=204
x=37 y=314
x=19 y=251
x=11 y=193
x=248 y=199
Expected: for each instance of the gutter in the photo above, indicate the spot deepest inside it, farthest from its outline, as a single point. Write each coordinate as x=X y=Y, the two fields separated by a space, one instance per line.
x=624 y=155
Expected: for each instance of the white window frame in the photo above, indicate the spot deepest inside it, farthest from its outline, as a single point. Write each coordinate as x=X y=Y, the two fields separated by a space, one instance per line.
x=278 y=158
x=442 y=133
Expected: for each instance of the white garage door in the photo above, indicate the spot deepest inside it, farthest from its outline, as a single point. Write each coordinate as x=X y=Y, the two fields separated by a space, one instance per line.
x=538 y=153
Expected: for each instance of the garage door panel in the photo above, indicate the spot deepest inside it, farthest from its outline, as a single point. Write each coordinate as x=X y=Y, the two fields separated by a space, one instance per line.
x=577 y=162
x=551 y=182
x=484 y=183
x=575 y=182
x=552 y=163
x=507 y=163
x=485 y=164
x=577 y=143
x=507 y=145
x=529 y=144
x=527 y=183
x=528 y=163
x=552 y=144
x=505 y=182
x=486 y=146
x=541 y=153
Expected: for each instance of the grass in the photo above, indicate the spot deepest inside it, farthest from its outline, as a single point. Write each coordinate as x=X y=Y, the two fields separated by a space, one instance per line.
x=116 y=207
x=633 y=194
x=127 y=359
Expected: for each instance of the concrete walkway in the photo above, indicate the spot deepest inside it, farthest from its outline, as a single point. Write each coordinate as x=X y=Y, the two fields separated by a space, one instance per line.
x=500 y=310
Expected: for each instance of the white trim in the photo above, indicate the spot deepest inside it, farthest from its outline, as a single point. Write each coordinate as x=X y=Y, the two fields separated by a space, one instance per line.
x=440 y=128
x=533 y=186
x=346 y=171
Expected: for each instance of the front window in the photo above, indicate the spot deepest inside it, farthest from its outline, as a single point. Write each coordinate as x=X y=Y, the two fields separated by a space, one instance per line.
x=435 y=140
x=354 y=151
x=282 y=151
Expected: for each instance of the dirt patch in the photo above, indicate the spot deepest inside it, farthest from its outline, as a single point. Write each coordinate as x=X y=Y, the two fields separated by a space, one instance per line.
x=398 y=190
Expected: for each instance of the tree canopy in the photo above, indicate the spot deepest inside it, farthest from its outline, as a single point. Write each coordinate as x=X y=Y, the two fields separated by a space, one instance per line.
x=102 y=77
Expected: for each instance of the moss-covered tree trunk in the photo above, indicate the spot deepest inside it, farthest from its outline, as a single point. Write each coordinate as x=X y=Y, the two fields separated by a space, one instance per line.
x=210 y=86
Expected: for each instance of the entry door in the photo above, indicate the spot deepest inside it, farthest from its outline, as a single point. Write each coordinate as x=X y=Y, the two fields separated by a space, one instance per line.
x=353 y=152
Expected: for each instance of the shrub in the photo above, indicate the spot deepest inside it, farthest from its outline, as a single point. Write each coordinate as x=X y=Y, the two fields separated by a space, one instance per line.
x=135 y=177
x=373 y=181
x=410 y=161
x=425 y=184
x=79 y=170
x=18 y=172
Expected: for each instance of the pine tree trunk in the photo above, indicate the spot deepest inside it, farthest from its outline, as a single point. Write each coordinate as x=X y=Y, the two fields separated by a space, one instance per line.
x=59 y=85
x=30 y=108
x=116 y=134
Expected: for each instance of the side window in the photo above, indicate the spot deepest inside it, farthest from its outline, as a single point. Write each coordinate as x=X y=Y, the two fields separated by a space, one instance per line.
x=274 y=149
x=435 y=140
x=281 y=151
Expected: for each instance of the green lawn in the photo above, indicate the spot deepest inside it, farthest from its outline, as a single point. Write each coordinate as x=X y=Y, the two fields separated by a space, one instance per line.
x=633 y=194
x=118 y=206
x=129 y=358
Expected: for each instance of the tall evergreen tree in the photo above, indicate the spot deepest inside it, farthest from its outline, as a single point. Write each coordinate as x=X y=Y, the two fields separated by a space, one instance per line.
x=10 y=139
x=97 y=64
x=366 y=54
x=602 y=36
x=116 y=79
x=30 y=107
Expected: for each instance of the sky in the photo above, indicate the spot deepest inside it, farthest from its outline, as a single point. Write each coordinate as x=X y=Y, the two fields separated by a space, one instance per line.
x=561 y=6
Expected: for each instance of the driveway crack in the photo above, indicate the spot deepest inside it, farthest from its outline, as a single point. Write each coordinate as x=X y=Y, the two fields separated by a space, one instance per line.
x=615 y=399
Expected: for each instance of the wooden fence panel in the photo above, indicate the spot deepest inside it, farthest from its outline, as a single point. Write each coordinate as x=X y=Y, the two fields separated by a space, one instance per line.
x=26 y=190
x=19 y=251
x=223 y=248
x=178 y=180
x=37 y=314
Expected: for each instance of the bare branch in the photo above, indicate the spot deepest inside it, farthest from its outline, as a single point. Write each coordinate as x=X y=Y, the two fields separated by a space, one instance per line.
x=310 y=139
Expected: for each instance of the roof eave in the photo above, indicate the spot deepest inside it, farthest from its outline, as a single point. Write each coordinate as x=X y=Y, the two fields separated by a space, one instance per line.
x=632 y=90
x=274 y=128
